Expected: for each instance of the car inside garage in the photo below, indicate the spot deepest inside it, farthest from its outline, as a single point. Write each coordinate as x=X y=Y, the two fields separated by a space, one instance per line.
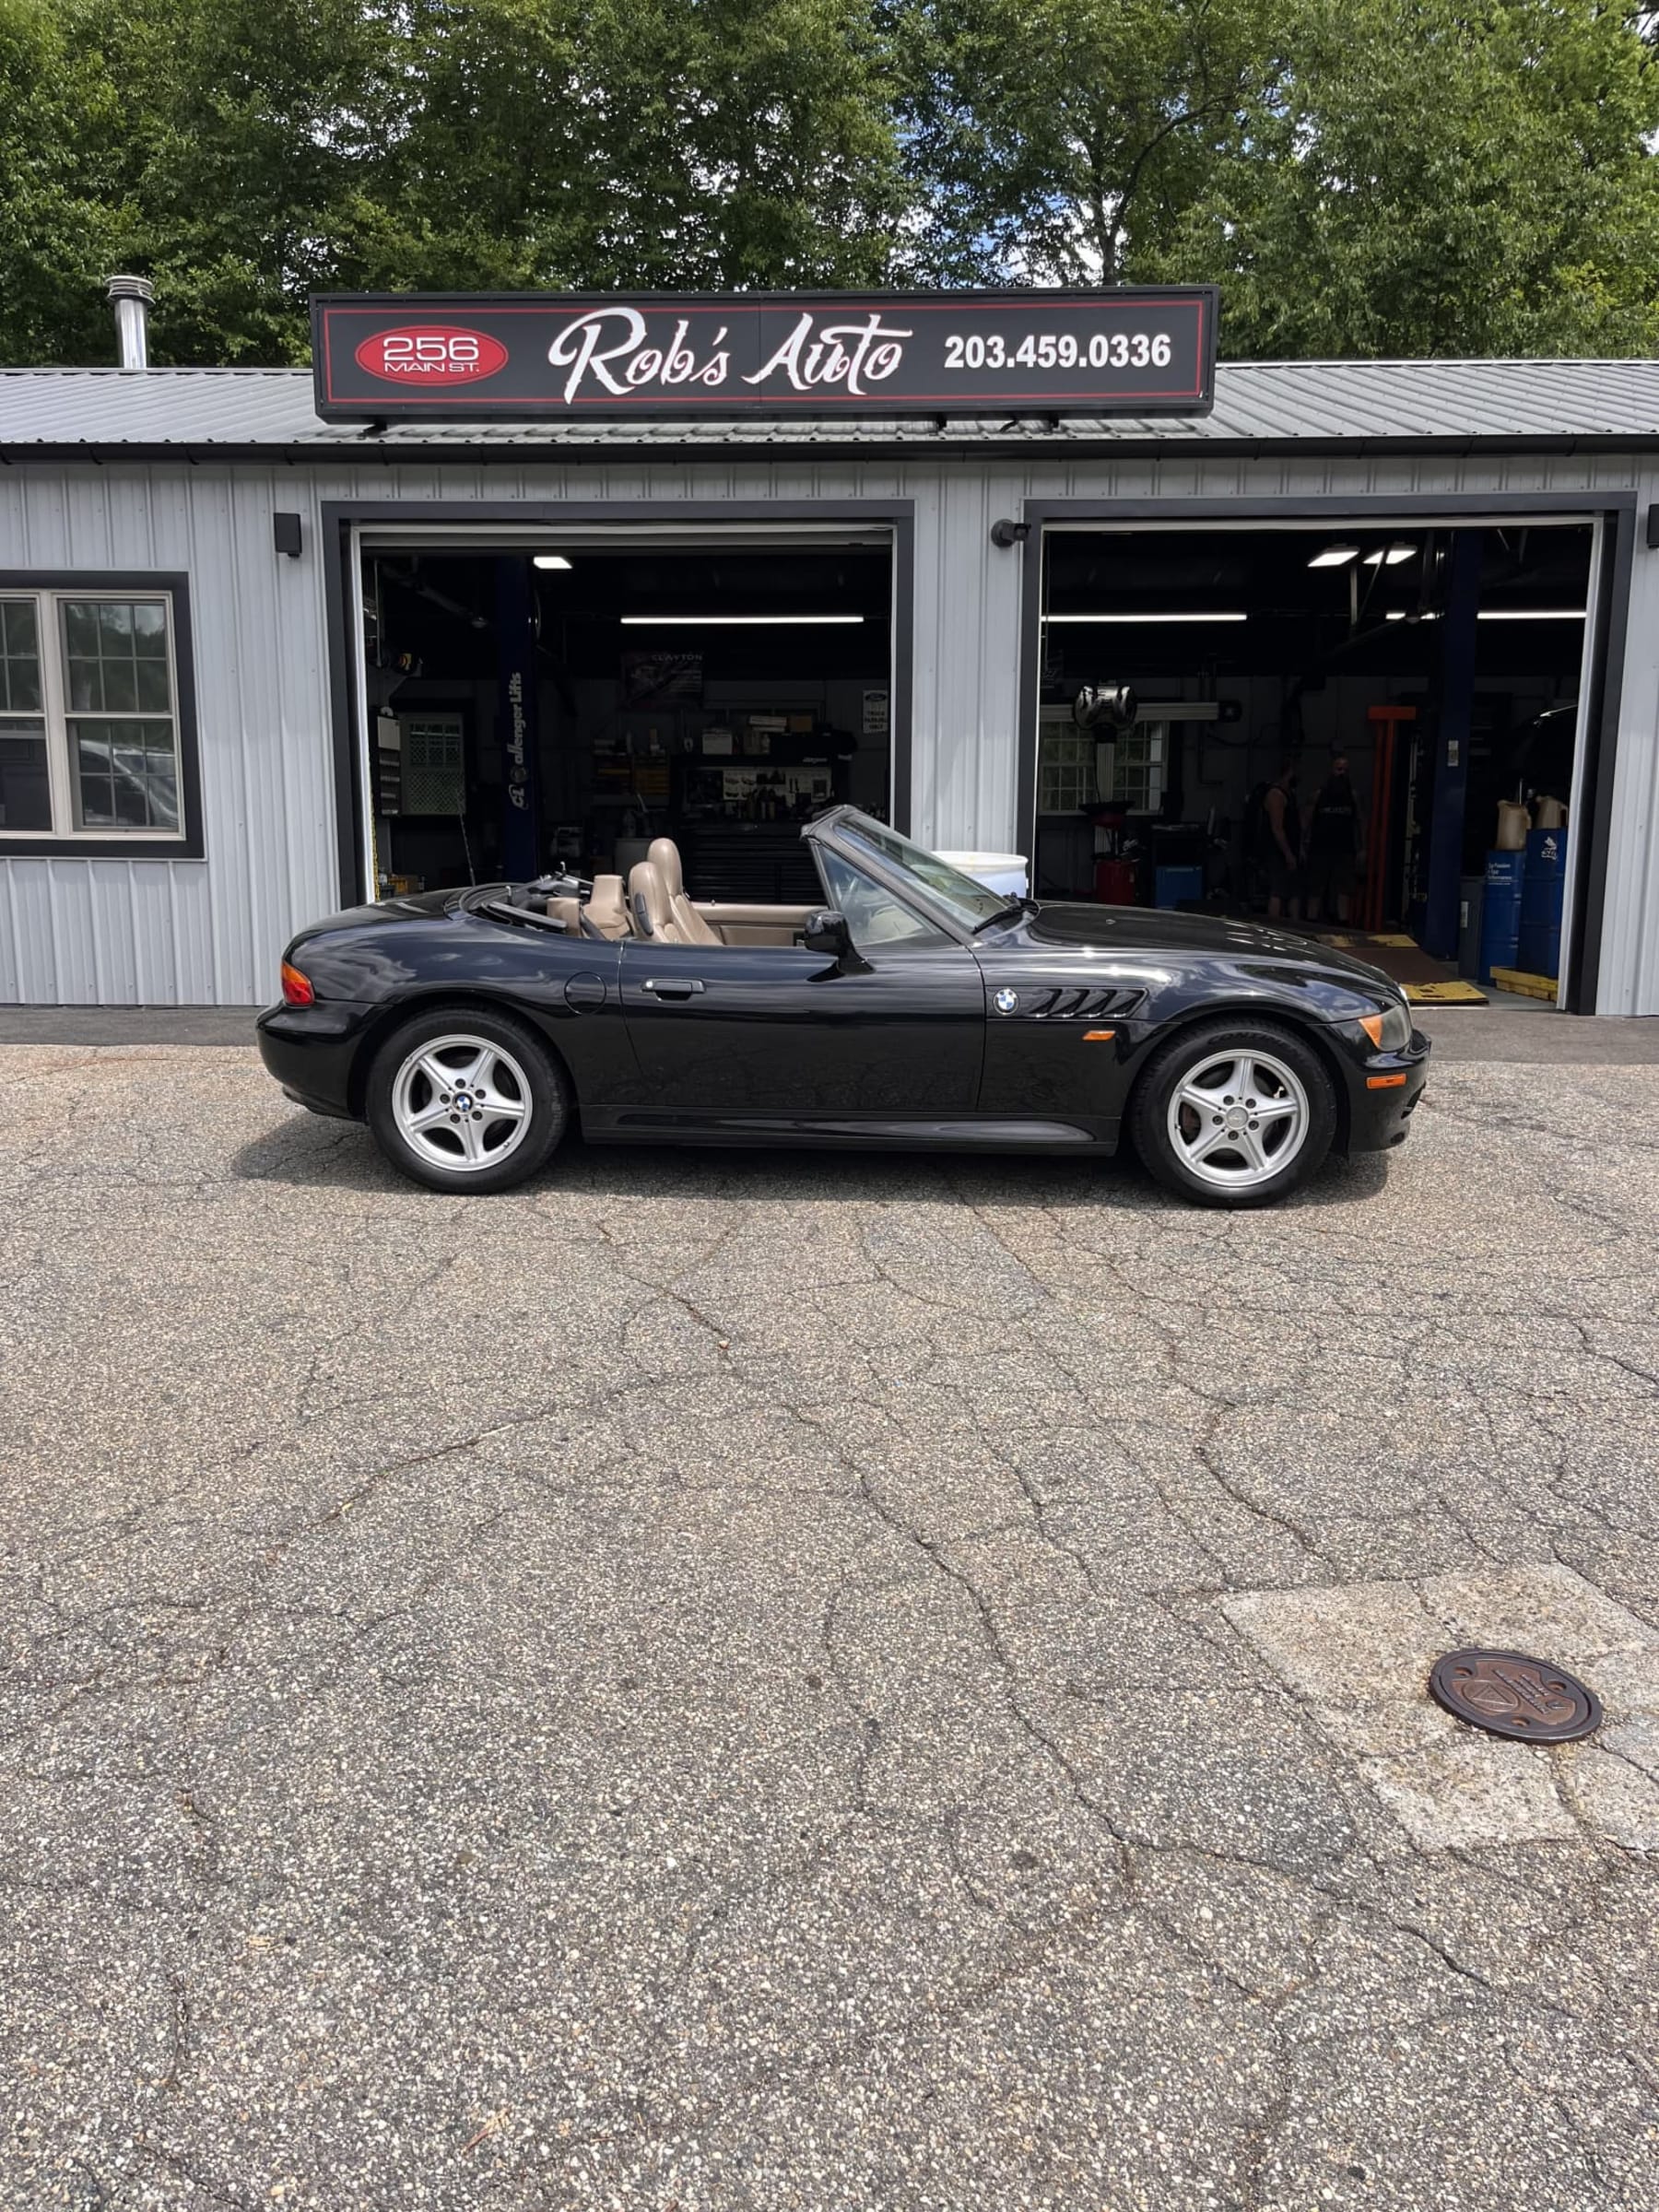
x=1404 y=699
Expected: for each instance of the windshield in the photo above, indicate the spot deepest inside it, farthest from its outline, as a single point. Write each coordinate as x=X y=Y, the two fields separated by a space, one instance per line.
x=969 y=902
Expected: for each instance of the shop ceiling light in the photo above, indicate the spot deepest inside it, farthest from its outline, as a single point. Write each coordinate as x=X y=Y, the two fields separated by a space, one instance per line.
x=1391 y=557
x=683 y=621
x=1532 y=614
x=1500 y=614
x=1334 y=557
x=551 y=561
x=1190 y=615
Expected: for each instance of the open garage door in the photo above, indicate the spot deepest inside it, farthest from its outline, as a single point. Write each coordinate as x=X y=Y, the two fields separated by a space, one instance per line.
x=1374 y=734
x=532 y=698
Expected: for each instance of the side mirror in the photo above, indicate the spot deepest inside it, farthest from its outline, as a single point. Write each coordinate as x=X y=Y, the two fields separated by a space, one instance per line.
x=826 y=930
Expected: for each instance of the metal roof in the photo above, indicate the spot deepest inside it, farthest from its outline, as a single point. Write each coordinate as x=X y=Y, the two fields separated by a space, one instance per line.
x=78 y=413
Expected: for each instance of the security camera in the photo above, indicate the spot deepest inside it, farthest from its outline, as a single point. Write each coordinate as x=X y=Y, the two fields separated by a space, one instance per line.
x=1104 y=706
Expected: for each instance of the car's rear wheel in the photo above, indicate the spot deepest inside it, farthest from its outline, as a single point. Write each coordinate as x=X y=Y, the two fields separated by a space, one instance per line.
x=1234 y=1113
x=465 y=1101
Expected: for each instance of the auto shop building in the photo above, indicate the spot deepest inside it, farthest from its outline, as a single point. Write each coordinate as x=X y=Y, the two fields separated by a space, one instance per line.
x=259 y=661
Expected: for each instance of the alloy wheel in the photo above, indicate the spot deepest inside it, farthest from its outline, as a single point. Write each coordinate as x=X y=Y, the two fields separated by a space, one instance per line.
x=1238 y=1119
x=461 y=1103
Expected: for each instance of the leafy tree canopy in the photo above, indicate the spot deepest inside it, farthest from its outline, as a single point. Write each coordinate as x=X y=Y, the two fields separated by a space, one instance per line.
x=1360 y=176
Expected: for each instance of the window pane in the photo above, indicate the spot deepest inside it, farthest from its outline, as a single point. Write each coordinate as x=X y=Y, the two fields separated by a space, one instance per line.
x=115 y=651
x=25 y=796
x=125 y=773
x=19 y=657
x=153 y=691
x=120 y=687
x=874 y=915
x=85 y=684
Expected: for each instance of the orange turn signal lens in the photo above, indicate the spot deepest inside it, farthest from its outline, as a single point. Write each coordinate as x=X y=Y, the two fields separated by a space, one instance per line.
x=1384 y=1082
x=1099 y=1036
x=295 y=988
x=1372 y=1025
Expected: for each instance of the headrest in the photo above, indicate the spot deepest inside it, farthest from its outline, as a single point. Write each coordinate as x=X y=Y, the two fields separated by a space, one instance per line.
x=568 y=911
x=648 y=901
x=665 y=858
x=607 y=908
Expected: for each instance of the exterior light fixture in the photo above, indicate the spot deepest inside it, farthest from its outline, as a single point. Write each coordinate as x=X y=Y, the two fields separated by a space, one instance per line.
x=551 y=561
x=1334 y=557
x=701 y=621
x=1191 y=614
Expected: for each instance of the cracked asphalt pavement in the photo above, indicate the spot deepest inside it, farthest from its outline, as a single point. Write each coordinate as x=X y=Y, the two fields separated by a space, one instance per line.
x=726 y=1683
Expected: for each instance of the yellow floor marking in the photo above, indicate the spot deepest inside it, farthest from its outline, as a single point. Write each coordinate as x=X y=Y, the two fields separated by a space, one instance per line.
x=1401 y=942
x=1444 y=994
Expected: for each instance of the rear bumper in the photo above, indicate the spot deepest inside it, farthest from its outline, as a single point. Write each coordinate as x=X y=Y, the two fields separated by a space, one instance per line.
x=1383 y=1091
x=311 y=1052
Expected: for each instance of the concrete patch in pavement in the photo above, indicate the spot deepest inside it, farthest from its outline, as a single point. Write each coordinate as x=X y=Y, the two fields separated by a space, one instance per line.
x=1358 y=1656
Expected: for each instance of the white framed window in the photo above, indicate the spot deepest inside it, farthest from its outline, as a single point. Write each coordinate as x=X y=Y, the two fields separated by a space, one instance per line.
x=92 y=728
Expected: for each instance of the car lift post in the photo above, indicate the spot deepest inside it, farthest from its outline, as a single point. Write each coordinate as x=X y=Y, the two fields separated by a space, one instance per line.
x=1453 y=727
x=1385 y=721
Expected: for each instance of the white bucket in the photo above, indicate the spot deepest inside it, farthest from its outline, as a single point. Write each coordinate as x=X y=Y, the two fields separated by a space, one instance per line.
x=1003 y=872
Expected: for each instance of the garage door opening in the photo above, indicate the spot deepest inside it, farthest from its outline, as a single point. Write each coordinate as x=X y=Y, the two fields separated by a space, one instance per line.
x=1370 y=734
x=533 y=708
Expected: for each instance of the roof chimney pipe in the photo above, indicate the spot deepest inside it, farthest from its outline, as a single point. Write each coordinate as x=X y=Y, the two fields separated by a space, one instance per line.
x=131 y=297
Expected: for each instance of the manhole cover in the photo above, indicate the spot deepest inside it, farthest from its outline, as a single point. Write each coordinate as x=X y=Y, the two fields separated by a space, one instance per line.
x=1509 y=1694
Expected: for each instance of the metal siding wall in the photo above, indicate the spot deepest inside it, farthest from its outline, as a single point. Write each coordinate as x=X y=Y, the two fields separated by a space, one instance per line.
x=206 y=931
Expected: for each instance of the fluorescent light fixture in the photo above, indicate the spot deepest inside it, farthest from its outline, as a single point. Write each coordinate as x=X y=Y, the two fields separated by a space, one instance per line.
x=1391 y=557
x=1504 y=614
x=1532 y=614
x=1400 y=614
x=728 y=621
x=1197 y=615
x=1334 y=557
x=551 y=561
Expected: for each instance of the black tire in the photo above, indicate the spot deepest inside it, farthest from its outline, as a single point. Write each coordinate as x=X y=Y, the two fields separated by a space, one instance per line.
x=527 y=1075
x=1200 y=1051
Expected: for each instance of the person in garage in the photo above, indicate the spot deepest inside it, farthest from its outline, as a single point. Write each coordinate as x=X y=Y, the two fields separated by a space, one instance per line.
x=1283 y=819
x=1333 y=847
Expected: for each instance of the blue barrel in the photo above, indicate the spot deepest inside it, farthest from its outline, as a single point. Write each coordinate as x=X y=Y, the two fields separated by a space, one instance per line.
x=1501 y=912
x=1538 y=952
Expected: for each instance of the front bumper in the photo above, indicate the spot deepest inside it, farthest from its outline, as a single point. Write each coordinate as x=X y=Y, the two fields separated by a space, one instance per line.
x=1383 y=1091
x=311 y=1051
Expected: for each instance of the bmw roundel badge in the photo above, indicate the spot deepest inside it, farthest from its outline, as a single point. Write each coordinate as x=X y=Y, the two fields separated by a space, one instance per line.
x=1007 y=1001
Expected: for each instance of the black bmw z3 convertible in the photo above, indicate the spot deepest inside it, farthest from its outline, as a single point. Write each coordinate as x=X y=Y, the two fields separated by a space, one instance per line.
x=913 y=1007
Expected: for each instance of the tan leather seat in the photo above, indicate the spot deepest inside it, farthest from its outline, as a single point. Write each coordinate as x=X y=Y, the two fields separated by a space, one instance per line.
x=607 y=908
x=648 y=899
x=569 y=912
x=665 y=858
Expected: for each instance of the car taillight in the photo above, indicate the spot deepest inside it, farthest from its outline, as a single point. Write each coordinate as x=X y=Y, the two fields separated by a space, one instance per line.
x=295 y=988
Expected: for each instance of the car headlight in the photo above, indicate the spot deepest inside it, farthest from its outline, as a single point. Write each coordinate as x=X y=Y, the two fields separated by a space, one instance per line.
x=1389 y=1031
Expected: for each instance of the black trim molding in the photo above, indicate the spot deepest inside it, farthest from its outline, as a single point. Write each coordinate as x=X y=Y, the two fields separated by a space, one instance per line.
x=473 y=519
x=135 y=844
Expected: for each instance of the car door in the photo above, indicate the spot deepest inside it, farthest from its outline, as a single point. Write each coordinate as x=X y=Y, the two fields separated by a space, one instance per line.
x=724 y=1031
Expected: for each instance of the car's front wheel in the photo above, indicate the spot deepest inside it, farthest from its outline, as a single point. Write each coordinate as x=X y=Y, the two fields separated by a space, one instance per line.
x=1234 y=1113
x=466 y=1100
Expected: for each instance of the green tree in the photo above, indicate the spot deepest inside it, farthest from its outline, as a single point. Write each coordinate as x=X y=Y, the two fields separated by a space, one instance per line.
x=245 y=152
x=1437 y=177
x=1065 y=141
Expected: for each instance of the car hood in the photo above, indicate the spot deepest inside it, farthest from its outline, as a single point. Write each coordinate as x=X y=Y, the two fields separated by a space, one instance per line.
x=1140 y=929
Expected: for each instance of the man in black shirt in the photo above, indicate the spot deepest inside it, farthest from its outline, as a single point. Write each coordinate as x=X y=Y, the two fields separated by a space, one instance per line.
x=1333 y=844
x=1282 y=823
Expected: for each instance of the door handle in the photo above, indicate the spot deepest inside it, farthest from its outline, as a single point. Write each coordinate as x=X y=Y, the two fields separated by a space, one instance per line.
x=671 y=986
